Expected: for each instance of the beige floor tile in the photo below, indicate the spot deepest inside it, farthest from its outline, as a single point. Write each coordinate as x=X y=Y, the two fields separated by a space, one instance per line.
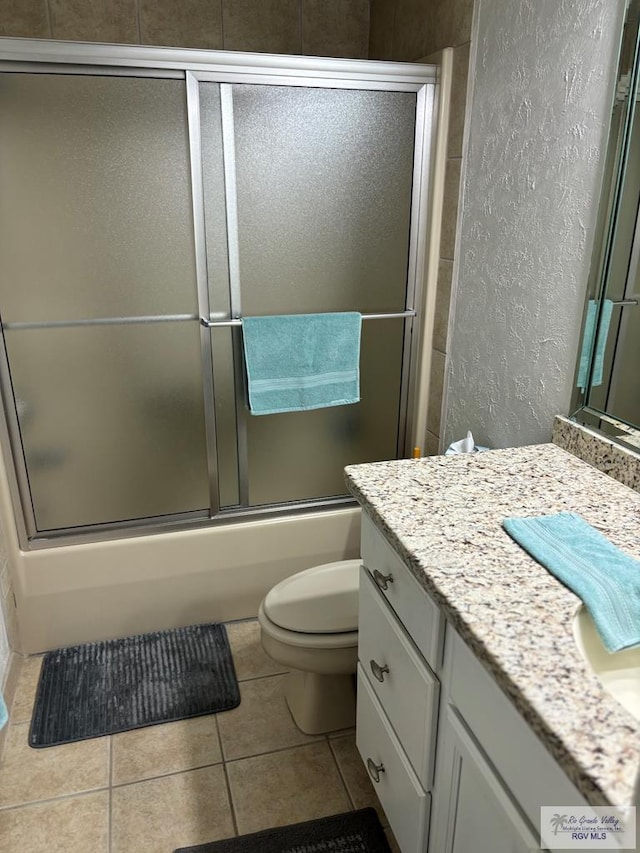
x=261 y=723
x=168 y=748
x=393 y=844
x=159 y=815
x=356 y=778
x=22 y=707
x=28 y=775
x=286 y=787
x=250 y=659
x=73 y=825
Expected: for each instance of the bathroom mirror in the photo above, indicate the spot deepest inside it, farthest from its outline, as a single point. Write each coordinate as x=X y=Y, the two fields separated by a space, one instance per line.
x=607 y=392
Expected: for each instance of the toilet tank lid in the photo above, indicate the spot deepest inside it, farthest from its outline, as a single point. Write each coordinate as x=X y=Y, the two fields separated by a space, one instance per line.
x=321 y=600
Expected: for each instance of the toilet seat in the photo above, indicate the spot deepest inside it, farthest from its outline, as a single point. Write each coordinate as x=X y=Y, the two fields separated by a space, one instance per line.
x=300 y=640
x=319 y=601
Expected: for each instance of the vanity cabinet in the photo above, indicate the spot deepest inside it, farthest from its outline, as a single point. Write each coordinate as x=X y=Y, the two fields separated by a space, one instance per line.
x=480 y=813
x=455 y=766
x=398 y=690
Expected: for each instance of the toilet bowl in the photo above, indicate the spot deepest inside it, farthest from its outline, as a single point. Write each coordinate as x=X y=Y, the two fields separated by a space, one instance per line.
x=309 y=623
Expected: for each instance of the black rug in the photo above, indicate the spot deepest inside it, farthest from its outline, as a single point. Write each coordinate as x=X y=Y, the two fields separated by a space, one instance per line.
x=102 y=688
x=352 y=832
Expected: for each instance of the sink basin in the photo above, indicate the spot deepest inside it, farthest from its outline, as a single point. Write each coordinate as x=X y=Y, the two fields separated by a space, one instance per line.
x=619 y=672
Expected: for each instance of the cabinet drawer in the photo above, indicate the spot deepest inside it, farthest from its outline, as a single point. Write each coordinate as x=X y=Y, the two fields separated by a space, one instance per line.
x=408 y=691
x=415 y=609
x=403 y=799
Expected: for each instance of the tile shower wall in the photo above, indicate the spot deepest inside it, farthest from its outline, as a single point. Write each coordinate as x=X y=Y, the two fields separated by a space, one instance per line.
x=315 y=27
x=418 y=29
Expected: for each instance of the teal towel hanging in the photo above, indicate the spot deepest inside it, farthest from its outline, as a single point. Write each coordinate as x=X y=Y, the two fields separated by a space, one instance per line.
x=587 y=343
x=4 y=714
x=603 y=576
x=302 y=361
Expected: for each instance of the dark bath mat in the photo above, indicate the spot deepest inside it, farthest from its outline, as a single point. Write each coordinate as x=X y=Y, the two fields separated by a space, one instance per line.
x=352 y=832
x=102 y=688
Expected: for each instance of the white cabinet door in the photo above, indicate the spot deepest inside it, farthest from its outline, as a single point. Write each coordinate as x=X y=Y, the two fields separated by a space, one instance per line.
x=473 y=810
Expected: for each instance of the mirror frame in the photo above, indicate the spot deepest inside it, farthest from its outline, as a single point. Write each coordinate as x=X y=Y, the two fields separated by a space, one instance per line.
x=584 y=410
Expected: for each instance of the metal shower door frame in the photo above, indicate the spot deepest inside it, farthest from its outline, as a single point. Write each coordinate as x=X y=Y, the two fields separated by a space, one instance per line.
x=194 y=67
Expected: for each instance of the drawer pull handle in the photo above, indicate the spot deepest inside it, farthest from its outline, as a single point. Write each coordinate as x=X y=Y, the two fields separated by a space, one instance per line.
x=382 y=581
x=378 y=670
x=374 y=770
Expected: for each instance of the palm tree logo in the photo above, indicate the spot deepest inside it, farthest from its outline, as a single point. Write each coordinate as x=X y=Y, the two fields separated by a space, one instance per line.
x=557 y=821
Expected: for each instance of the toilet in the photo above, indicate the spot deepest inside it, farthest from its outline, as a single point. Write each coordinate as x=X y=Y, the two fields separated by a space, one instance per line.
x=309 y=623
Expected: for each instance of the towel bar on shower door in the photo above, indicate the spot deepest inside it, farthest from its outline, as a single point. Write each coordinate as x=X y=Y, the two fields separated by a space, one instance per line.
x=237 y=321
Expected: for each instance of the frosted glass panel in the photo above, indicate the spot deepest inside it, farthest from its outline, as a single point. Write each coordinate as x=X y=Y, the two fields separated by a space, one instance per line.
x=324 y=190
x=112 y=421
x=301 y=455
x=95 y=210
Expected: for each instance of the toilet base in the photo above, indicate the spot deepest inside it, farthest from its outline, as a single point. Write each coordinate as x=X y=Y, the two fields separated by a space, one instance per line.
x=321 y=703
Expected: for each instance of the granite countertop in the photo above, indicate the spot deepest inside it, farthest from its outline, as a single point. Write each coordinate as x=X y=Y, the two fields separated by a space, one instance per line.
x=443 y=516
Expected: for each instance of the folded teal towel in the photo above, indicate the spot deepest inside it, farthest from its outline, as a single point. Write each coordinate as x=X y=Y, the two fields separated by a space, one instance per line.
x=302 y=361
x=587 y=343
x=604 y=577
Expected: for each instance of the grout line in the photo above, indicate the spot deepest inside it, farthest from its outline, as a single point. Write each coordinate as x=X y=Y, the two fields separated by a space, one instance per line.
x=222 y=40
x=49 y=18
x=342 y=777
x=275 y=751
x=300 y=26
x=69 y=796
x=138 y=22
x=259 y=677
x=166 y=775
x=232 y=807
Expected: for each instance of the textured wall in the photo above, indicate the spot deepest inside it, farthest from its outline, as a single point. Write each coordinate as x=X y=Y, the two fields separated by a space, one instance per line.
x=544 y=74
x=313 y=27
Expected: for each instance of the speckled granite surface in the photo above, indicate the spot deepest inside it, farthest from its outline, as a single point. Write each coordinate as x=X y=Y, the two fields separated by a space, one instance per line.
x=443 y=516
x=615 y=460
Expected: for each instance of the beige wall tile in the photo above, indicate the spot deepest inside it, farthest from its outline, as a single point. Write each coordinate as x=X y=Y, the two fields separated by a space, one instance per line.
x=94 y=20
x=413 y=20
x=190 y=23
x=264 y=26
x=249 y=658
x=24 y=19
x=169 y=748
x=450 y=208
x=335 y=28
x=443 y=300
x=30 y=774
x=73 y=825
x=432 y=444
x=305 y=785
x=382 y=14
x=458 y=100
x=261 y=723
x=159 y=815
x=436 y=385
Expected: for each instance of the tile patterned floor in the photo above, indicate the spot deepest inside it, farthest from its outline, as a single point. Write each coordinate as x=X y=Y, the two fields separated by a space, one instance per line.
x=155 y=789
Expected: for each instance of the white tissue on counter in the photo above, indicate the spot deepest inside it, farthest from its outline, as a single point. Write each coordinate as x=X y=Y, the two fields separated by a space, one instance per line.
x=465 y=445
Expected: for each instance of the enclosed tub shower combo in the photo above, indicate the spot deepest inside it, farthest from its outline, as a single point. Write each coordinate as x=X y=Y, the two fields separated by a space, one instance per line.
x=151 y=198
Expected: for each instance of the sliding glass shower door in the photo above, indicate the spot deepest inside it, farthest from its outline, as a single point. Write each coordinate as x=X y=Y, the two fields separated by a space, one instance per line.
x=319 y=188
x=98 y=297
x=140 y=218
